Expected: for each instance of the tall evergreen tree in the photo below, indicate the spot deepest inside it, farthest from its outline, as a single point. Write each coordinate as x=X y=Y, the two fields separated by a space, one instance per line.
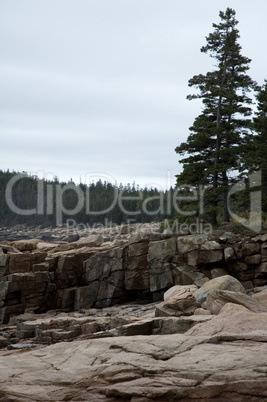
x=212 y=153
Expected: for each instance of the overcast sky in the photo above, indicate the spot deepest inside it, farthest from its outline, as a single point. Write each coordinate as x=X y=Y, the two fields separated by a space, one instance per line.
x=99 y=86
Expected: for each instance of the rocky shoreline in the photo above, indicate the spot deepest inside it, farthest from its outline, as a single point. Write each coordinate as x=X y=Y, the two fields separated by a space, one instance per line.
x=133 y=315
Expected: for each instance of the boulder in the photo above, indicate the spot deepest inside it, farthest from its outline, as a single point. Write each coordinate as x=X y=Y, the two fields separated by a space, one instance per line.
x=90 y=241
x=218 y=298
x=181 y=303
x=225 y=282
x=177 y=288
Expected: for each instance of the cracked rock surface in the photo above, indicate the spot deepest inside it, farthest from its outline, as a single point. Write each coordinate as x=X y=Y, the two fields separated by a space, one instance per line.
x=211 y=362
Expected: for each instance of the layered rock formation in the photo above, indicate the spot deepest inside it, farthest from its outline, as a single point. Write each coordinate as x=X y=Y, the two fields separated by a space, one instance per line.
x=92 y=273
x=194 y=326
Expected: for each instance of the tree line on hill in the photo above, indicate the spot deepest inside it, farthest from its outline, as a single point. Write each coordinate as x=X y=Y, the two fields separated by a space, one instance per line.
x=27 y=199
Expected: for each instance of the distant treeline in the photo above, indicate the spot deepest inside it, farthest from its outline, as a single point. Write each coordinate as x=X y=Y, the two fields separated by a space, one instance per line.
x=27 y=199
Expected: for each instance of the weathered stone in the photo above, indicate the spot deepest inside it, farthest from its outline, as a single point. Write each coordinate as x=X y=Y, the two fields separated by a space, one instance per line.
x=177 y=325
x=229 y=254
x=218 y=298
x=260 y=238
x=233 y=319
x=226 y=282
x=189 y=243
x=3 y=260
x=254 y=259
x=136 y=267
x=250 y=248
x=91 y=241
x=200 y=251
x=44 y=266
x=20 y=263
x=202 y=311
x=85 y=297
x=144 y=327
x=7 y=248
x=106 y=271
x=227 y=236
x=70 y=270
x=186 y=275
x=142 y=236
x=25 y=245
x=183 y=301
x=174 y=289
x=65 y=298
x=46 y=247
x=162 y=250
x=160 y=276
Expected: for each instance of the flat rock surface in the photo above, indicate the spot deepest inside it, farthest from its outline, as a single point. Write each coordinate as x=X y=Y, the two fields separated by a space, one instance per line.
x=140 y=368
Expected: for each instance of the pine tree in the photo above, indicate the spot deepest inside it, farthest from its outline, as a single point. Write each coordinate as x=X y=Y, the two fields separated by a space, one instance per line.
x=212 y=153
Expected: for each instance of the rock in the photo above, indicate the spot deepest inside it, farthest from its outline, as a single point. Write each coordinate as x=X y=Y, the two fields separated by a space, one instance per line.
x=174 y=289
x=142 y=368
x=19 y=263
x=45 y=246
x=91 y=241
x=178 y=325
x=218 y=298
x=181 y=303
x=227 y=236
x=162 y=250
x=136 y=267
x=197 y=249
x=104 y=273
x=254 y=259
x=229 y=254
x=71 y=238
x=233 y=319
x=69 y=270
x=25 y=245
x=261 y=296
x=225 y=282
x=159 y=255
x=166 y=234
x=186 y=275
x=190 y=242
x=202 y=311
x=250 y=248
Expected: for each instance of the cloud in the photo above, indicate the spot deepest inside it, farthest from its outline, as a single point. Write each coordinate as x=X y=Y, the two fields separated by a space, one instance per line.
x=100 y=86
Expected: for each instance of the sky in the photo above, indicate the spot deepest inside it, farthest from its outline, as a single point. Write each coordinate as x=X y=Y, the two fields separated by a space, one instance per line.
x=97 y=88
